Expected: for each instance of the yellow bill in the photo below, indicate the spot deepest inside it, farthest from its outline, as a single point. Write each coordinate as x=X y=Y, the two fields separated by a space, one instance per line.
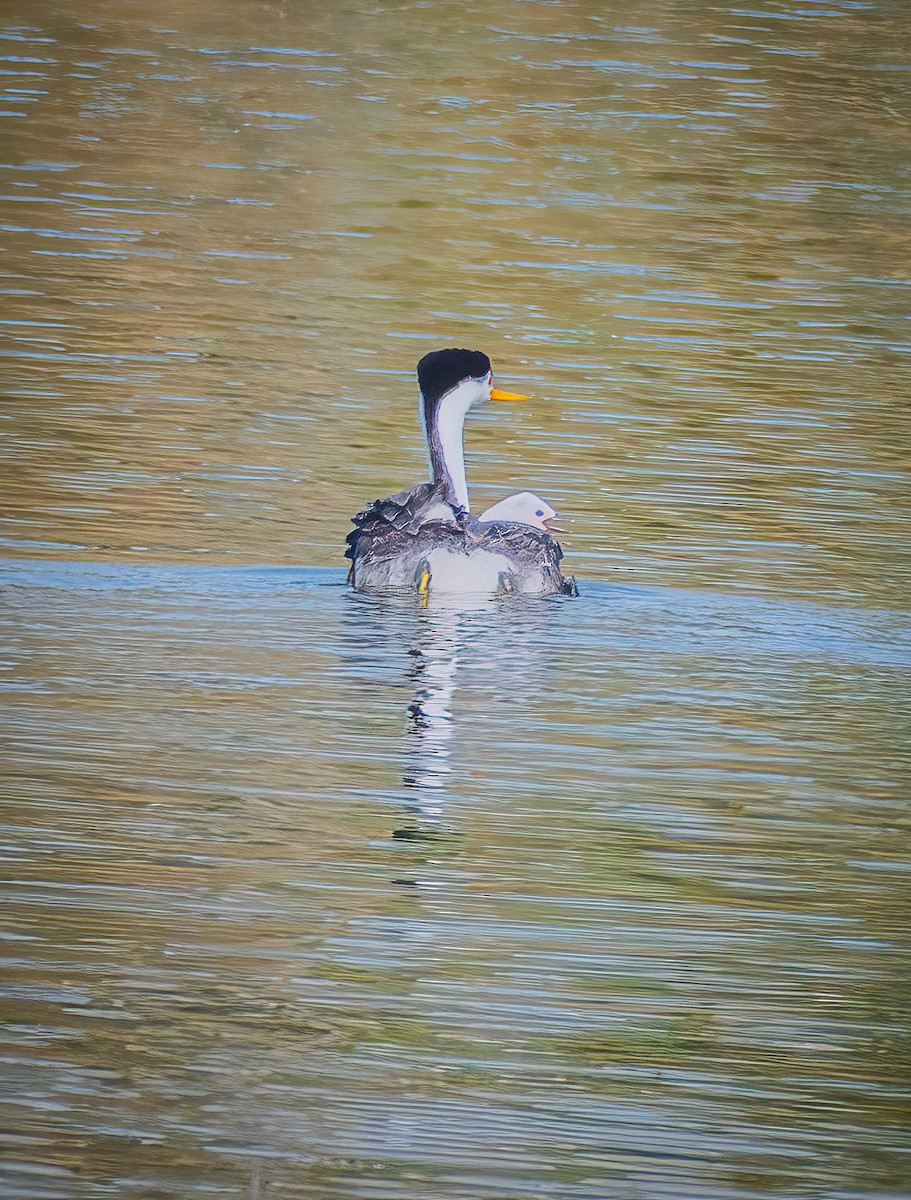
x=496 y=394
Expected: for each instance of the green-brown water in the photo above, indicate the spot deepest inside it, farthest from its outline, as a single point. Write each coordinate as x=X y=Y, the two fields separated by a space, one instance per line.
x=311 y=896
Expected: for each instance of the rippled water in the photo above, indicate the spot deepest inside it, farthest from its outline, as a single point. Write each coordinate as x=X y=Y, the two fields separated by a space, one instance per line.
x=314 y=896
x=233 y=231
x=320 y=897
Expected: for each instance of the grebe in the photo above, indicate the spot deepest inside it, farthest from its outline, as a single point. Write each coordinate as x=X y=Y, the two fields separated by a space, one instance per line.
x=424 y=538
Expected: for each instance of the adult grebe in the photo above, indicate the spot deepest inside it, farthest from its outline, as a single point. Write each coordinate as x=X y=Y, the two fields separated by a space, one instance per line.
x=424 y=538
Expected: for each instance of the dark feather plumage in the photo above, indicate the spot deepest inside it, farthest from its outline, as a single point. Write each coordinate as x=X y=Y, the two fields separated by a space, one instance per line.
x=395 y=521
x=399 y=528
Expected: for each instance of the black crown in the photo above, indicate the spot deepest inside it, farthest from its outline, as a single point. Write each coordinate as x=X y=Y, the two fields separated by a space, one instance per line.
x=441 y=370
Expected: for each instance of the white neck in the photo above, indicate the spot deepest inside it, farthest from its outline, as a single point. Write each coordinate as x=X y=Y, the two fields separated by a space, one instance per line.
x=449 y=425
x=450 y=419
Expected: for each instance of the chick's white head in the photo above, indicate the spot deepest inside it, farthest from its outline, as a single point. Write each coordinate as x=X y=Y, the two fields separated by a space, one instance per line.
x=525 y=508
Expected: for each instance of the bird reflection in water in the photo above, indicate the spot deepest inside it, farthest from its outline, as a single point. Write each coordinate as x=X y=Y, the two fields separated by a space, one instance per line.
x=490 y=645
x=429 y=727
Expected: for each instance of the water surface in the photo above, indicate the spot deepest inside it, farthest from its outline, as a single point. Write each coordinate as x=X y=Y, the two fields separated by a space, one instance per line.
x=313 y=896
x=323 y=896
x=232 y=230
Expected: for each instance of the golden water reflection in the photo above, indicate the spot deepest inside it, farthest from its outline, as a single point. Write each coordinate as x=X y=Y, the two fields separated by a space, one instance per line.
x=312 y=897
x=232 y=234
